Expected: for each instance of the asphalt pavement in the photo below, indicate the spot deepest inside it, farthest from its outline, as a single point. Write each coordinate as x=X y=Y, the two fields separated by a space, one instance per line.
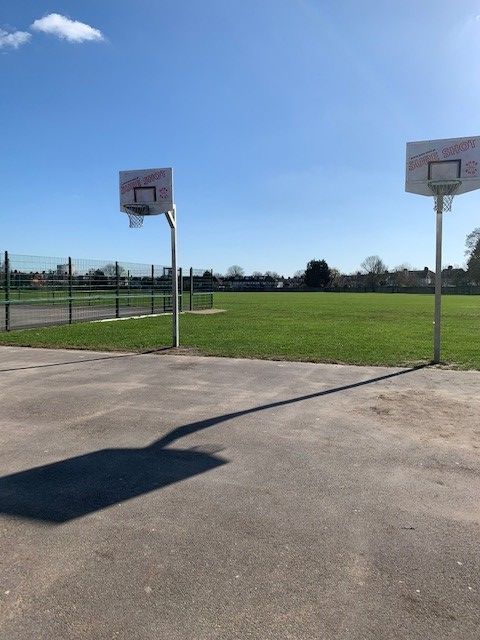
x=173 y=496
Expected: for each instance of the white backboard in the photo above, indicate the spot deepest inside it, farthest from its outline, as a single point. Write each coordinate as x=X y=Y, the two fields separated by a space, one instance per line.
x=448 y=159
x=147 y=186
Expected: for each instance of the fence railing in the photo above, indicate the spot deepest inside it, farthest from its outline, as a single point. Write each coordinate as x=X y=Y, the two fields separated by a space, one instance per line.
x=38 y=291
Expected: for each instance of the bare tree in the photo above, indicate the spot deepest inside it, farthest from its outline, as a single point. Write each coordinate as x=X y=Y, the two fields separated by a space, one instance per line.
x=110 y=269
x=235 y=271
x=373 y=264
x=374 y=268
x=335 y=278
x=403 y=277
x=272 y=275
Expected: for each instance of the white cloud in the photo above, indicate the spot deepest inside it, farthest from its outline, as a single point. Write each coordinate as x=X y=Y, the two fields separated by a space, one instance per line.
x=66 y=29
x=14 y=39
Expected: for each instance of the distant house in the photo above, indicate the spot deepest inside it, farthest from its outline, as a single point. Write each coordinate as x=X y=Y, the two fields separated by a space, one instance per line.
x=411 y=278
x=294 y=281
x=454 y=277
x=423 y=278
x=354 y=281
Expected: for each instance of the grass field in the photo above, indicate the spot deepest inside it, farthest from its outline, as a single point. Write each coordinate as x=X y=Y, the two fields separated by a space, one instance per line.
x=388 y=329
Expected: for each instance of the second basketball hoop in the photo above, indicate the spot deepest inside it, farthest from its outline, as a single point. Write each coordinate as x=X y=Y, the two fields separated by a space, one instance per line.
x=149 y=192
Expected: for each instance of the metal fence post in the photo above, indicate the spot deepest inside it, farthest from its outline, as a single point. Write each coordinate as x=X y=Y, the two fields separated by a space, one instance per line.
x=153 y=289
x=164 y=296
x=7 y=292
x=191 y=288
x=117 y=291
x=128 y=288
x=211 y=288
x=70 y=300
x=180 y=288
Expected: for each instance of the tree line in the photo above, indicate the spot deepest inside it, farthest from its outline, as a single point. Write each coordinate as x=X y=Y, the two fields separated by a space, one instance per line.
x=318 y=274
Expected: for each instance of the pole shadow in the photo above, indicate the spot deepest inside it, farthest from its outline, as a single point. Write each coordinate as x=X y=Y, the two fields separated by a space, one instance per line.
x=71 y=488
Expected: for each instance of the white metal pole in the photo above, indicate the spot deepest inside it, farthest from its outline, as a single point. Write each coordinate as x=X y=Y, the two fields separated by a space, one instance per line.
x=438 y=282
x=173 y=228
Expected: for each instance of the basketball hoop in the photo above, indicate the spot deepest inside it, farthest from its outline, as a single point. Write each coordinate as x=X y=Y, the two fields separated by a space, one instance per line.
x=149 y=192
x=445 y=188
x=135 y=213
x=443 y=169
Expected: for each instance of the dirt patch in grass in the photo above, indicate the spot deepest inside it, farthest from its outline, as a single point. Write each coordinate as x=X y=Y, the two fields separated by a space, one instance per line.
x=206 y=312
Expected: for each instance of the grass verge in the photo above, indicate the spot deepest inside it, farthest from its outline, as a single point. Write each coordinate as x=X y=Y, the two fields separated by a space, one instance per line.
x=366 y=329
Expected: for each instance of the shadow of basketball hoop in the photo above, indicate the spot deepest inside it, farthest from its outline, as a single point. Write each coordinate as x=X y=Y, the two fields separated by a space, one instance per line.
x=75 y=487
x=71 y=488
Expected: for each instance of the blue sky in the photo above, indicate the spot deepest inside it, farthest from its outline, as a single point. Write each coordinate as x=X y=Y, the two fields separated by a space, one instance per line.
x=285 y=122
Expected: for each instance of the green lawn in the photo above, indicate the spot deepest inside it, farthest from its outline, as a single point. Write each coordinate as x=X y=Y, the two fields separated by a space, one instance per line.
x=390 y=329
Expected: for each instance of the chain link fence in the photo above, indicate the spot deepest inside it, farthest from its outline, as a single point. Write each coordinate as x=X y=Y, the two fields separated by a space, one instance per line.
x=40 y=291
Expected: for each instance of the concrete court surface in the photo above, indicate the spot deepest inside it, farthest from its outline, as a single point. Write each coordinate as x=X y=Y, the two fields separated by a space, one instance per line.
x=24 y=316
x=168 y=496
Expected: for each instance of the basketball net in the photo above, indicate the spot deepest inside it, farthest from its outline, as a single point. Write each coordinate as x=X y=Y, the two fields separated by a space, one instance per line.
x=136 y=213
x=446 y=189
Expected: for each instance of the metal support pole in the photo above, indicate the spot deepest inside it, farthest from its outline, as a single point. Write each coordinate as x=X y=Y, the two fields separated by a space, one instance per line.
x=172 y=221
x=117 y=292
x=211 y=288
x=176 y=338
x=153 y=290
x=70 y=290
x=438 y=282
x=180 y=289
x=7 y=292
x=191 y=288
